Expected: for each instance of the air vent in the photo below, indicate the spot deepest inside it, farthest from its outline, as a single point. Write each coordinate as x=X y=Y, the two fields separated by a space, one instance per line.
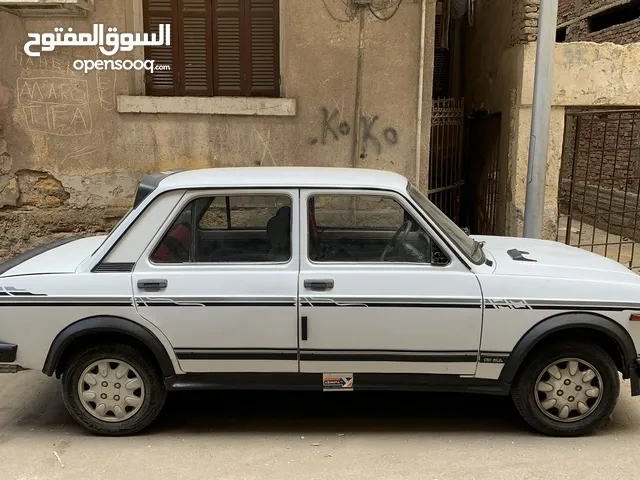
x=519 y=255
x=114 y=268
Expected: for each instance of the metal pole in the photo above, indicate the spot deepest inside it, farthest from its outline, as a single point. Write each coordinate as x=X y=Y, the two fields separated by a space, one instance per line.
x=540 y=119
x=423 y=23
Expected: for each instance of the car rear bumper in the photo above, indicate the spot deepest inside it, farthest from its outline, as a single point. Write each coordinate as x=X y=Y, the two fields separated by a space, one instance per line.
x=634 y=376
x=8 y=352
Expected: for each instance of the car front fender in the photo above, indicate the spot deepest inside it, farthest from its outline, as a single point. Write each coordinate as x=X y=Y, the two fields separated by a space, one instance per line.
x=566 y=321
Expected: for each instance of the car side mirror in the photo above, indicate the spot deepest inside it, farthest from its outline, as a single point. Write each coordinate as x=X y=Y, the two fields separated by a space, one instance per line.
x=437 y=257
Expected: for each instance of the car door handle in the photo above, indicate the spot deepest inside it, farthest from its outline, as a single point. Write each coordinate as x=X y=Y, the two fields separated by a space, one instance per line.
x=319 y=284
x=154 y=284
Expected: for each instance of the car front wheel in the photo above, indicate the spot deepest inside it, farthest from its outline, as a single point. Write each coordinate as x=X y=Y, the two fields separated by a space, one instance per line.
x=112 y=390
x=567 y=389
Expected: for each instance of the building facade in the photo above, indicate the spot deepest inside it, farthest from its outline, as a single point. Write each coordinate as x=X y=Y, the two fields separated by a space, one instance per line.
x=252 y=83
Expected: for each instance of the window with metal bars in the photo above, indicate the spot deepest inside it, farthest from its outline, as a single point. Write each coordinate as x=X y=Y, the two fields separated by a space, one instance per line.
x=218 y=48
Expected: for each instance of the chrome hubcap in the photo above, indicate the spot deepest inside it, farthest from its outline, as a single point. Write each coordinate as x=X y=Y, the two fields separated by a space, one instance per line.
x=111 y=390
x=568 y=390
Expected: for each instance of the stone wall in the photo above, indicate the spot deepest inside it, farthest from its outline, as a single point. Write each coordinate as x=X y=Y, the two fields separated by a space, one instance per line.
x=70 y=161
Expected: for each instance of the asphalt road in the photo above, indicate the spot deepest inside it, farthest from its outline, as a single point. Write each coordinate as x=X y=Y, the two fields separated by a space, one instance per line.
x=327 y=436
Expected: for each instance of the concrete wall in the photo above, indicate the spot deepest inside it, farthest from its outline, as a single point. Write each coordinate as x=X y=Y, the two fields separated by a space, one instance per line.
x=69 y=161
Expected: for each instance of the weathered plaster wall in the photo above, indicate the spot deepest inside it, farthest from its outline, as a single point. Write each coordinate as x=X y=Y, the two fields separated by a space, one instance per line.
x=589 y=74
x=69 y=162
x=518 y=179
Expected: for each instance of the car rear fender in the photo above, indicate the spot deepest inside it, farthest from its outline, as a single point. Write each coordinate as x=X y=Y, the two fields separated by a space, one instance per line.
x=107 y=325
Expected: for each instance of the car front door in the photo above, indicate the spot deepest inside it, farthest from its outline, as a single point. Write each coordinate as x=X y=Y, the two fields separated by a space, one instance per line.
x=220 y=280
x=371 y=300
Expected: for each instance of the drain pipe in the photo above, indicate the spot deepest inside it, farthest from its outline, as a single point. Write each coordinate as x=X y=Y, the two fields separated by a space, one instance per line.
x=357 y=115
x=540 y=119
x=423 y=25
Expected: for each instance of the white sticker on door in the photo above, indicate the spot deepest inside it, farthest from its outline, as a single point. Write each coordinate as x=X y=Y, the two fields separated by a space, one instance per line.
x=337 y=381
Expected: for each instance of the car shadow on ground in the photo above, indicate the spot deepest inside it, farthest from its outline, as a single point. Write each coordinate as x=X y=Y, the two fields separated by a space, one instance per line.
x=305 y=413
x=388 y=412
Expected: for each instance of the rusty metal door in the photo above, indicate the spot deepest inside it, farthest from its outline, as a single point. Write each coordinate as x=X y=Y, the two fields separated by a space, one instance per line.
x=445 y=156
x=599 y=188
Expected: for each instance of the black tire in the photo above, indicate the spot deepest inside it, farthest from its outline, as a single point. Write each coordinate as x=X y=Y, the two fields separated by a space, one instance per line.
x=524 y=388
x=155 y=392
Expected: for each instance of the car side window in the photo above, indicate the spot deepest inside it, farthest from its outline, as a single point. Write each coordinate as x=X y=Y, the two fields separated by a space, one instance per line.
x=229 y=229
x=364 y=228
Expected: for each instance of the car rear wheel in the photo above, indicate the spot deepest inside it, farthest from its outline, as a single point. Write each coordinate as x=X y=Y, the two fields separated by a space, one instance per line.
x=567 y=389
x=112 y=390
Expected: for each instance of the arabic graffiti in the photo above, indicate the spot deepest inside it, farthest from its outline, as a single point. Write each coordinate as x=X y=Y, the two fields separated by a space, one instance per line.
x=117 y=41
x=333 y=127
x=57 y=106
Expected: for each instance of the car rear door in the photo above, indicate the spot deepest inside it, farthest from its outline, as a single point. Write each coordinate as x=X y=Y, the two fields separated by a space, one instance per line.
x=221 y=286
x=360 y=314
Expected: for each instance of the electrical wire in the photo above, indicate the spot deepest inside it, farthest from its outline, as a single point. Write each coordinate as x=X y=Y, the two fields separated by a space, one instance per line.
x=349 y=12
x=379 y=17
x=471 y=10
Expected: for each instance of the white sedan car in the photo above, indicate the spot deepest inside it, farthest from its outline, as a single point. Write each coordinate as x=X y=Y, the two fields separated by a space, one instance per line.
x=319 y=279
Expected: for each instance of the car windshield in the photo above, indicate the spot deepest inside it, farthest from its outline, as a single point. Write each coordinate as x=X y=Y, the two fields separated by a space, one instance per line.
x=471 y=248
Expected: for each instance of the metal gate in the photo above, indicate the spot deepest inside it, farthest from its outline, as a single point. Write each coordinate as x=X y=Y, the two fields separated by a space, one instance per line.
x=445 y=156
x=599 y=191
x=483 y=160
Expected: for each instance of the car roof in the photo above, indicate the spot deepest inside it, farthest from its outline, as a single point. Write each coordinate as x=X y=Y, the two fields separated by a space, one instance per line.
x=302 y=177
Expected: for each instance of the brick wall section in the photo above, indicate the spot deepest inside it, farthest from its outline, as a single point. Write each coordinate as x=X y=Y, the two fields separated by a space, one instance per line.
x=565 y=10
x=579 y=31
x=524 y=25
x=622 y=34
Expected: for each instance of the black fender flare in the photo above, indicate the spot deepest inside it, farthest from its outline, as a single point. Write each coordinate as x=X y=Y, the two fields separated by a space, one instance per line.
x=107 y=324
x=565 y=321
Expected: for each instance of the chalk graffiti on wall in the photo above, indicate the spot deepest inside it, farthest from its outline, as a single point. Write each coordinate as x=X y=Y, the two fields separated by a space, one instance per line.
x=372 y=135
x=61 y=62
x=57 y=106
x=105 y=81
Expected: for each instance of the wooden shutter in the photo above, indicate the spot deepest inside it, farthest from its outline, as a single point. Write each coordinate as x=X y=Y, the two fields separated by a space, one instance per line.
x=230 y=72
x=218 y=47
x=157 y=12
x=195 y=37
x=264 y=39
